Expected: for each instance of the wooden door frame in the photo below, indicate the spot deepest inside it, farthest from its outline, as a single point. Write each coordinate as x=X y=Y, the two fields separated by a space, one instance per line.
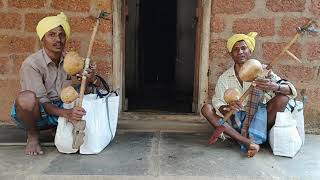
x=118 y=47
x=201 y=79
x=201 y=60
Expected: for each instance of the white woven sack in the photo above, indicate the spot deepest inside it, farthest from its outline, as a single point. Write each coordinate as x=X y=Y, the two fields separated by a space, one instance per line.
x=297 y=114
x=63 y=138
x=284 y=138
x=101 y=124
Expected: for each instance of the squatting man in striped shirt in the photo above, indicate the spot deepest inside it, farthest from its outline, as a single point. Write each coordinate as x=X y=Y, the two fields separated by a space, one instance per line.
x=275 y=95
x=42 y=78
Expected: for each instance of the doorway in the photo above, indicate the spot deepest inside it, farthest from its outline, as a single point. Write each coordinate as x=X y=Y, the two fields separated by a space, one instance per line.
x=160 y=55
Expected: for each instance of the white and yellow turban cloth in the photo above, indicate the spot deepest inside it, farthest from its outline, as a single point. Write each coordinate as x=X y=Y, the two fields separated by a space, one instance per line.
x=51 y=22
x=248 y=38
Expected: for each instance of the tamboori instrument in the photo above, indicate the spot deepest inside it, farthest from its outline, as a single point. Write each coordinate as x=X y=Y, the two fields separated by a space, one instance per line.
x=78 y=130
x=73 y=64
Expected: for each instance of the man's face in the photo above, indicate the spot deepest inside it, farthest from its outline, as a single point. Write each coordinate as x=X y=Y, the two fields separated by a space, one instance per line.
x=54 y=40
x=240 y=52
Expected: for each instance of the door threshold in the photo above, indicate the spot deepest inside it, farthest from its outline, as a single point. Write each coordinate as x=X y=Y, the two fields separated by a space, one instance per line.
x=163 y=121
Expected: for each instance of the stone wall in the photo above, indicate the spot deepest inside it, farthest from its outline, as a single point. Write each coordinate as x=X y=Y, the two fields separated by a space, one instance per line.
x=275 y=21
x=18 y=38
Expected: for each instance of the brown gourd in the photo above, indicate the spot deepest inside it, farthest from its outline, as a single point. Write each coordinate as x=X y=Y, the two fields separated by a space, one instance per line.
x=231 y=94
x=250 y=70
x=68 y=94
x=73 y=63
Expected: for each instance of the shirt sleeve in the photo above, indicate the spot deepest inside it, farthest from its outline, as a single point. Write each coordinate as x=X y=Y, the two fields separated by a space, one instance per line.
x=31 y=79
x=217 y=99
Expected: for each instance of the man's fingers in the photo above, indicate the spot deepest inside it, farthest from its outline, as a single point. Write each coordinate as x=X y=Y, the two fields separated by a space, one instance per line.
x=80 y=113
x=236 y=105
x=239 y=104
x=77 y=113
x=79 y=109
x=78 y=77
x=89 y=71
x=262 y=84
x=234 y=108
x=93 y=66
x=226 y=109
x=77 y=117
x=262 y=80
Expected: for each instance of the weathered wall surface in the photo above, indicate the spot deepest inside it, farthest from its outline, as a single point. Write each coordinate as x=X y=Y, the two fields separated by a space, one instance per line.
x=275 y=21
x=18 y=38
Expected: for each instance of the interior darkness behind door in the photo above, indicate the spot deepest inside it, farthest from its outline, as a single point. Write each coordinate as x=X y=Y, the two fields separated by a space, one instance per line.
x=158 y=76
x=158 y=41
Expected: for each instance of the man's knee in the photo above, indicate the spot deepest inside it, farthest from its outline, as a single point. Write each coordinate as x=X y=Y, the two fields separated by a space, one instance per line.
x=279 y=102
x=282 y=100
x=206 y=109
x=26 y=101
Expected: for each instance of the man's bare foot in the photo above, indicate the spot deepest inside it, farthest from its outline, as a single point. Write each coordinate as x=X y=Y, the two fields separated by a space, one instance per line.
x=253 y=149
x=33 y=146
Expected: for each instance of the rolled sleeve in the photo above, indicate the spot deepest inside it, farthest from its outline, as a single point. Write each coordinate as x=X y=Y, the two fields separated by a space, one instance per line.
x=31 y=79
x=293 y=90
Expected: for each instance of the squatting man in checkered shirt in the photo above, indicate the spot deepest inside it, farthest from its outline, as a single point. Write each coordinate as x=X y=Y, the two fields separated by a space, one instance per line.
x=42 y=78
x=274 y=98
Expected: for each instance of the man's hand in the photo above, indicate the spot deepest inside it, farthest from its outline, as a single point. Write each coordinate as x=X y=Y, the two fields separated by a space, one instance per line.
x=266 y=85
x=75 y=113
x=90 y=74
x=234 y=105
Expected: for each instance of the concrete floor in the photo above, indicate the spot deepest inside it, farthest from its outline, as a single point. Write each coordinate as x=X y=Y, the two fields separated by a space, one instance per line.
x=156 y=155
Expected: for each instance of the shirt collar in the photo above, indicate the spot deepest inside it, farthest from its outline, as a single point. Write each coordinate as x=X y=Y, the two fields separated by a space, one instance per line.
x=47 y=59
x=231 y=71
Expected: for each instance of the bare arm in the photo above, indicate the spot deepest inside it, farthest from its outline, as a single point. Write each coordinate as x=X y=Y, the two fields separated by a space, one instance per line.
x=268 y=85
x=75 y=113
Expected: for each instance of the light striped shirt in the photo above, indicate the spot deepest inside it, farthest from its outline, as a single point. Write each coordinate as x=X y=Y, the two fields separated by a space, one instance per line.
x=229 y=80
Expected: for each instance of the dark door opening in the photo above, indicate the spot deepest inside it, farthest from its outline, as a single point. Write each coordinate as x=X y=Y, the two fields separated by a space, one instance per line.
x=160 y=41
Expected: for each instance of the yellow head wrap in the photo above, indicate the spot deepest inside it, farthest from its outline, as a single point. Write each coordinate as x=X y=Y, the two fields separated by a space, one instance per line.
x=50 y=22
x=249 y=39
